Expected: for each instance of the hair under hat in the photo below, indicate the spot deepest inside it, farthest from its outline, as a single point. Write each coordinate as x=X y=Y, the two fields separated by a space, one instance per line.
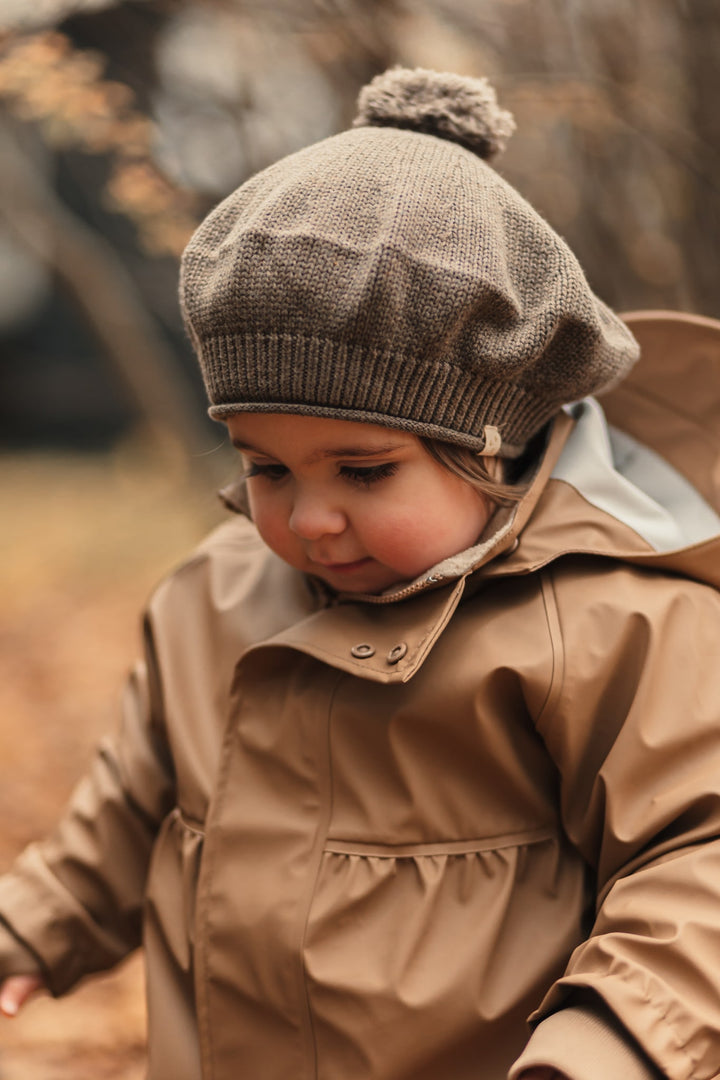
x=389 y=275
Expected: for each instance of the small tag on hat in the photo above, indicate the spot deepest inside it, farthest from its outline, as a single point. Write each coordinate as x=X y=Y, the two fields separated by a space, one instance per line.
x=493 y=441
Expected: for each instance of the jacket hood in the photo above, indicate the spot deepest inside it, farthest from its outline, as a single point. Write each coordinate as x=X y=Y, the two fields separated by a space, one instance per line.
x=643 y=487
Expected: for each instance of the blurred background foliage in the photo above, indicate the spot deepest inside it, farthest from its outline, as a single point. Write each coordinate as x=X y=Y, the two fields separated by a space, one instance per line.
x=121 y=124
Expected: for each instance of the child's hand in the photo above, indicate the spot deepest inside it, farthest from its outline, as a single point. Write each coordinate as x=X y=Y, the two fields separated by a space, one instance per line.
x=15 y=991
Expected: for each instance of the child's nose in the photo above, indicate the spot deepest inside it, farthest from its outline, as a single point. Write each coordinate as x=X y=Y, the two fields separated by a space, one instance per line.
x=313 y=517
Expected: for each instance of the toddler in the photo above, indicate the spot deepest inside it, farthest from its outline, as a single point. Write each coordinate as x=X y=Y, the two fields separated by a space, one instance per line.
x=426 y=741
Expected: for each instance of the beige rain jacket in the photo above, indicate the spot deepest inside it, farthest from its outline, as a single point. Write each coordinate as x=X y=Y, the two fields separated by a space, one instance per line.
x=364 y=840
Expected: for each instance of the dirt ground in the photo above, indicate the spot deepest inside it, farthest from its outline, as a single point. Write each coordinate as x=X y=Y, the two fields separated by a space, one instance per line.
x=82 y=542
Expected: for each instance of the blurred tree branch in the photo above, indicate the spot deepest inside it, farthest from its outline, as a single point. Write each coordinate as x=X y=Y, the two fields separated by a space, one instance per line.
x=102 y=290
x=45 y=80
x=351 y=41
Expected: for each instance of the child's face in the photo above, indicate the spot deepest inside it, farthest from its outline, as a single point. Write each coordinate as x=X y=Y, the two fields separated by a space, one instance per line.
x=360 y=506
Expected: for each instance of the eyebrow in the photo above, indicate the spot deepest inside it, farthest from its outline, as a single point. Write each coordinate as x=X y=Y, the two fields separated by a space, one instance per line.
x=331 y=452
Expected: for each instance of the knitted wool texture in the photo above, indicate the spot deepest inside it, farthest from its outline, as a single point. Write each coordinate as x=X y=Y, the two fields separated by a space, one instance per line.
x=391 y=276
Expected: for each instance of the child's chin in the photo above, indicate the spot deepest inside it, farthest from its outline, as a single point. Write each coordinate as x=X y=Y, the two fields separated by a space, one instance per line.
x=369 y=579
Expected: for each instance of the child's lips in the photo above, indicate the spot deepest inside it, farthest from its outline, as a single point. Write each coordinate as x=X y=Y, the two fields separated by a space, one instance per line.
x=345 y=568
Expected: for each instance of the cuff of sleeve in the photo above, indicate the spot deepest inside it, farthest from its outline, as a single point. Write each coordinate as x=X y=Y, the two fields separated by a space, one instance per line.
x=54 y=927
x=584 y=1043
x=15 y=958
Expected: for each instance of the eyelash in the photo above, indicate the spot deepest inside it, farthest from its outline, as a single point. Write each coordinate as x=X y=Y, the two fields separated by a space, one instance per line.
x=365 y=475
x=361 y=475
x=268 y=472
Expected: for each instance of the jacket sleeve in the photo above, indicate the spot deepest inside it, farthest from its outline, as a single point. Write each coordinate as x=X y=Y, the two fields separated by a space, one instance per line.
x=71 y=904
x=633 y=725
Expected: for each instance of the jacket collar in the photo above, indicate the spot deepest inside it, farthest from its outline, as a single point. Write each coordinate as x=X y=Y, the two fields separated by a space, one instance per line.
x=384 y=644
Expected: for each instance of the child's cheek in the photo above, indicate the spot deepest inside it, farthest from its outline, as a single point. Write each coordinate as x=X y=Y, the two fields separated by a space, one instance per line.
x=270 y=521
x=412 y=543
x=397 y=542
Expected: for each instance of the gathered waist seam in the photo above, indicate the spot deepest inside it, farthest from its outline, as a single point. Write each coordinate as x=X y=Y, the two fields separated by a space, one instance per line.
x=447 y=847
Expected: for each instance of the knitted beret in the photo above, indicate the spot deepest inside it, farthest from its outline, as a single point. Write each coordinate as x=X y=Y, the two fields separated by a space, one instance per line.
x=388 y=274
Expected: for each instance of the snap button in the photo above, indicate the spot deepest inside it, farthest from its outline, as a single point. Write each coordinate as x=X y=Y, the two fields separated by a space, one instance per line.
x=397 y=652
x=362 y=651
x=513 y=547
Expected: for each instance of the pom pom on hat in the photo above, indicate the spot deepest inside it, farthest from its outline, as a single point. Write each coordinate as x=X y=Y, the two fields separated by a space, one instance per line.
x=454 y=107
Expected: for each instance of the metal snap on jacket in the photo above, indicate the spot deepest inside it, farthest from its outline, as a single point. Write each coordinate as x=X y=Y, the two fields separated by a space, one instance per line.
x=397 y=652
x=362 y=651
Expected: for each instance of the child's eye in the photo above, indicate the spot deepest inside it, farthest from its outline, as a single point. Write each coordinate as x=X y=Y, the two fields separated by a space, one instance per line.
x=365 y=475
x=268 y=472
